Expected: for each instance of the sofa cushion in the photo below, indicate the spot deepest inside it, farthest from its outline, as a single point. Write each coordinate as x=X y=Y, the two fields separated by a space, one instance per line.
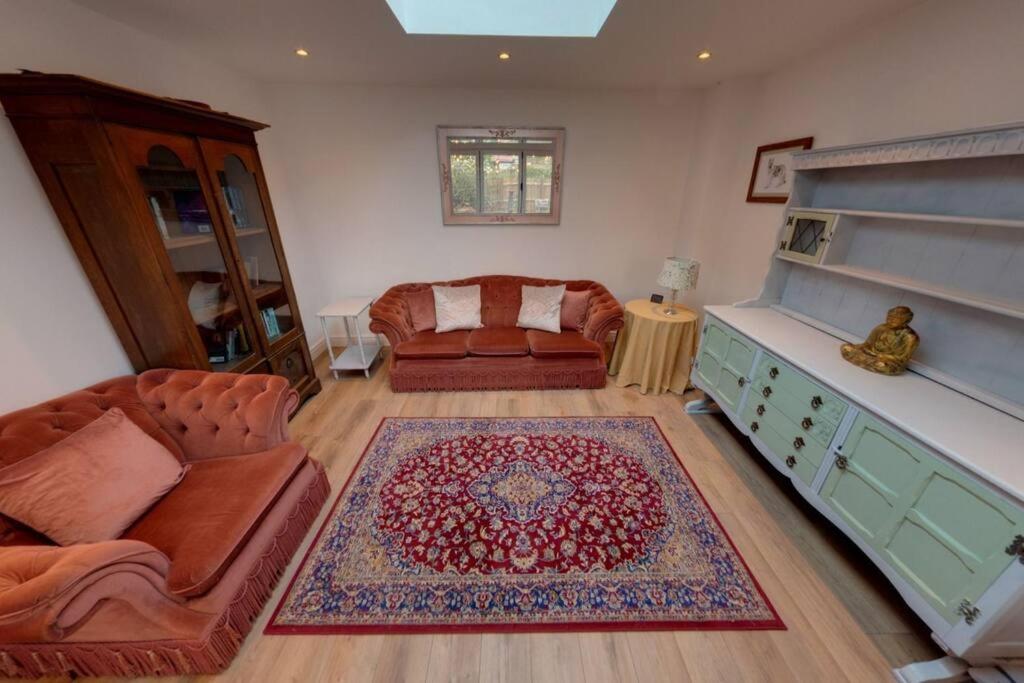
x=565 y=344
x=91 y=486
x=498 y=341
x=574 y=309
x=541 y=308
x=430 y=344
x=421 y=309
x=207 y=519
x=457 y=308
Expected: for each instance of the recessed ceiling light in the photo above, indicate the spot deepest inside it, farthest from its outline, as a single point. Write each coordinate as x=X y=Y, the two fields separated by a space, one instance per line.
x=504 y=56
x=302 y=52
x=704 y=55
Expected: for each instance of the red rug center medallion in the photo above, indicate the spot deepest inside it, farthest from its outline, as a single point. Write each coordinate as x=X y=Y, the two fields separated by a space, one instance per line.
x=500 y=503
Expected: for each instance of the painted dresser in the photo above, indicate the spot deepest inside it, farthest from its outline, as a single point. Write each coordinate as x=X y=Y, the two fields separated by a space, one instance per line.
x=923 y=471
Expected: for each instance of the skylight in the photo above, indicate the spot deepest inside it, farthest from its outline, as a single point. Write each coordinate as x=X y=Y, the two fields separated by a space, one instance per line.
x=562 y=18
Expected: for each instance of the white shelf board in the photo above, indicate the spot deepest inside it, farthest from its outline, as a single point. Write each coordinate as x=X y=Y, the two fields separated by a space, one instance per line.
x=350 y=359
x=929 y=217
x=968 y=432
x=346 y=308
x=958 y=296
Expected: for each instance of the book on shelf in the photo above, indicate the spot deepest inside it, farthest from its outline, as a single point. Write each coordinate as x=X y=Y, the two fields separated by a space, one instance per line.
x=158 y=214
x=236 y=206
x=270 y=322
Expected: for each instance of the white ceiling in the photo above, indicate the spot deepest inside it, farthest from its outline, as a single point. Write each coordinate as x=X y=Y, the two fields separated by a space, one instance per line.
x=644 y=43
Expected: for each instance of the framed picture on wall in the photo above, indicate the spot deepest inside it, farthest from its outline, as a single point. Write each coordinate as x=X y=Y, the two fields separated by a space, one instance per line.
x=772 y=177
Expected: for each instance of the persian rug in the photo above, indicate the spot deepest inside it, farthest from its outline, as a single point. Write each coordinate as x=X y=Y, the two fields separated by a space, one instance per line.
x=520 y=524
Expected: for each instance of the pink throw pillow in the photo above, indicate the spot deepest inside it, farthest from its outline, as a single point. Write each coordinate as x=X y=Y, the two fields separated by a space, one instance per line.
x=421 y=309
x=92 y=485
x=574 y=309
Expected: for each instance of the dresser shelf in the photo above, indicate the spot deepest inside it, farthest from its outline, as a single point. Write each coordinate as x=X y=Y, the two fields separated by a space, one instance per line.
x=924 y=217
x=957 y=296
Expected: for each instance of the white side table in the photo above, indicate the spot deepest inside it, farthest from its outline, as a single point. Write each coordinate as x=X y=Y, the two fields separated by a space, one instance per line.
x=360 y=356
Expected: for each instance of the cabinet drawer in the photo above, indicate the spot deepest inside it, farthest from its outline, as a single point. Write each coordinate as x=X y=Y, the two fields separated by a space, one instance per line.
x=291 y=364
x=780 y=435
x=798 y=413
x=810 y=395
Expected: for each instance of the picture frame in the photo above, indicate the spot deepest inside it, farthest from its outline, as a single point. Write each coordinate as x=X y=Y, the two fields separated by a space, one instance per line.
x=771 y=179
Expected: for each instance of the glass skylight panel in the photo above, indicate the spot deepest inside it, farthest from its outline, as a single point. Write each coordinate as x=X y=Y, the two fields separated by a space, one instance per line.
x=548 y=18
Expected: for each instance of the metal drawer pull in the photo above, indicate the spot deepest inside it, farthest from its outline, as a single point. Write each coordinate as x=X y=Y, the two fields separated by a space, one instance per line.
x=773 y=373
x=798 y=442
x=790 y=461
x=741 y=381
x=969 y=611
x=842 y=462
x=1016 y=547
x=760 y=409
x=816 y=402
x=754 y=426
x=807 y=423
x=766 y=392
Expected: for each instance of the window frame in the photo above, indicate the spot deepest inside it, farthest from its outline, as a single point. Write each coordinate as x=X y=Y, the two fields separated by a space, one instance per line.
x=556 y=135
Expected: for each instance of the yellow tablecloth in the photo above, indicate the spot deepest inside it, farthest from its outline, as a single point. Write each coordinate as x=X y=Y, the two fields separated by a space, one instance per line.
x=654 y=350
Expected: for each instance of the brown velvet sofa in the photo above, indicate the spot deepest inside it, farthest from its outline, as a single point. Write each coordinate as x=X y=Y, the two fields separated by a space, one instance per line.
x=499 y=355
x=178 y=592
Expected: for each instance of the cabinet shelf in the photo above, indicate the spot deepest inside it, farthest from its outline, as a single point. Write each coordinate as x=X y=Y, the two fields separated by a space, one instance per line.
x=926 y=217
x=227 y=308
x=196 y=240
x=958 y=296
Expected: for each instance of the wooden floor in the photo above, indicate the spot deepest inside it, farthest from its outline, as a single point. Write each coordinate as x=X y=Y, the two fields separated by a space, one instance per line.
x=791 y=553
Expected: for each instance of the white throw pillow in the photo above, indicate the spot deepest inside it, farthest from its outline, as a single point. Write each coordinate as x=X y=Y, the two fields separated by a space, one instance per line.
x=457 y=308
x=541 y=308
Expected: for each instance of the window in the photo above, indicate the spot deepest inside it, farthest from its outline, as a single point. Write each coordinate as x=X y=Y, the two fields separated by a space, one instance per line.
x=500 y=175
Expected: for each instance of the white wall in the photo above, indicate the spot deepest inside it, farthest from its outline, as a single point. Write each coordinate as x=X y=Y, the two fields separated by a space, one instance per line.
x=940 y=65
x=363 y=166
x=54 y=336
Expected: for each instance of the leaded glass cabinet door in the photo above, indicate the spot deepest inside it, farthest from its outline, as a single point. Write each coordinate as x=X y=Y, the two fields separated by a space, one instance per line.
x=174 y=197
x=235 y=173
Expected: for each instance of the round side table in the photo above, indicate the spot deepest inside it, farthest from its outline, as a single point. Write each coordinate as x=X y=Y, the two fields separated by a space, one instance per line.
x=654 y=350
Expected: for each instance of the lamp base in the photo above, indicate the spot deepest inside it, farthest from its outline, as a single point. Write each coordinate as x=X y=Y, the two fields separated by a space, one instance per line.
x=671 y=308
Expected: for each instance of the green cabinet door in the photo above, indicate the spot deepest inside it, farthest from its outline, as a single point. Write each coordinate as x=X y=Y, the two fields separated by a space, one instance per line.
x=941 y=530
x=877 y=467
x=725 y=361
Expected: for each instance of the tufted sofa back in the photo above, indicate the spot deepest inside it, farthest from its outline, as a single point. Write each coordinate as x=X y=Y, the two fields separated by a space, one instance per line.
x=213 y=414
x=27 y=431
x=500 y=295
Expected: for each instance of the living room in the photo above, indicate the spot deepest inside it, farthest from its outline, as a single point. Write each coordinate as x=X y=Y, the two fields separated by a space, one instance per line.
x=633 y=151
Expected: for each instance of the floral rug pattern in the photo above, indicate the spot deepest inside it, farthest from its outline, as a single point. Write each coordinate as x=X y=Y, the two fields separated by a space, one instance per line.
x=505 y=524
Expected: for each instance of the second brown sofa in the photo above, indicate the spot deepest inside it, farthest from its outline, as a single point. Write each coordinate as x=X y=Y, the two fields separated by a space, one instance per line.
x=499 y=355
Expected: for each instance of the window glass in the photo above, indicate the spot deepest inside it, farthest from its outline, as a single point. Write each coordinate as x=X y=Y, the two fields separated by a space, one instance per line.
x=537 y=191
x=465 y=187
x=500 y=182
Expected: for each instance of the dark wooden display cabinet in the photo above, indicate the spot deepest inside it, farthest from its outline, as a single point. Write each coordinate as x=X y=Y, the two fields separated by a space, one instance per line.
x=166 y=205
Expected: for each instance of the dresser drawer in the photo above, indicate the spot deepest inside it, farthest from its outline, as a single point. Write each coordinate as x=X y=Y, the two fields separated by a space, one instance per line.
x=777 y=432
x=811 y=423
x=811 y=398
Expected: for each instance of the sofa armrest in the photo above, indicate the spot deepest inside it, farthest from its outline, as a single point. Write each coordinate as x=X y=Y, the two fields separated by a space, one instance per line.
x=214 y=414
x=46 y=591
x=604 y=314
x=389 y=315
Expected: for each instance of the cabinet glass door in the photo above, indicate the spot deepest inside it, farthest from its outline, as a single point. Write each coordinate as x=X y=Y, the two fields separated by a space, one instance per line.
x=174 y=196
x=234 y=170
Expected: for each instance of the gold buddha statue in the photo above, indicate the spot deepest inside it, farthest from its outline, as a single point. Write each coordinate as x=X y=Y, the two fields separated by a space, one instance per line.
x=888 y=348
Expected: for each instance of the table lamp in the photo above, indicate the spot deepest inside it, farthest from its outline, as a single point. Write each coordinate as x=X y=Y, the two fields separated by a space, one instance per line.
x=678 y=273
